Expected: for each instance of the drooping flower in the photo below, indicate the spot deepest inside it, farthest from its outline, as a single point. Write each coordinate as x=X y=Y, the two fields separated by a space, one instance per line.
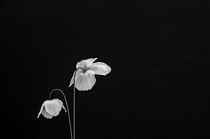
x=86 y=71
x=51 y=108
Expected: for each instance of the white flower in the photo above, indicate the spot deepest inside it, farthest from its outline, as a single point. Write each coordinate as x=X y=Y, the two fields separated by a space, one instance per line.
x=85 y=74
x=51 y=108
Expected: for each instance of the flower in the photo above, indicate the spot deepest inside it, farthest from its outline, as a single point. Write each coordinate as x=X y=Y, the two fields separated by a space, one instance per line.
x=86 y=71
x=51 y=108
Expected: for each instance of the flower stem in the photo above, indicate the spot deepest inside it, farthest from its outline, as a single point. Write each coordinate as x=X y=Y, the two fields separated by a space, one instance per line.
x=74 y=100
x=74 y=110
x=66 y=107
x=74 y=103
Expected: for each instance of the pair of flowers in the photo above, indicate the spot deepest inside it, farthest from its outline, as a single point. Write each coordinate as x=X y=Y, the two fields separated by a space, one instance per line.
x=83 y=78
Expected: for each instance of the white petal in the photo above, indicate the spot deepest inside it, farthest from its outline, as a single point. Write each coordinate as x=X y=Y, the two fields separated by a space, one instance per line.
x=79 y=71
x=42 y=108
x=85 y=81
x=60 y=103
x=53 y=107
x=90 y=61
x=90 y=77
x=100 y=68
x=72 y=81
x=85 y=63
x=46 y=114
x=40 y=111
x=43 y=111
x=81 y=83
x=79 y=64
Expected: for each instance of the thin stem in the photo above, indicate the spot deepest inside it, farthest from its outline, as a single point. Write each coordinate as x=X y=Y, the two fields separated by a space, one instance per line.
x=74 y=110
x=74 y=100
x=66 y=107
x=74 y=103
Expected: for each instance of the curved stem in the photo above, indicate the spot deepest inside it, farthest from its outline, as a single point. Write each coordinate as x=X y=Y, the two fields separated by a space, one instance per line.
x=66 y=107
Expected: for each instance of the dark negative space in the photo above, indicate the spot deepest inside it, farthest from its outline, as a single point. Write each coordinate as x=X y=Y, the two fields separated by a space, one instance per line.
x=158 y=86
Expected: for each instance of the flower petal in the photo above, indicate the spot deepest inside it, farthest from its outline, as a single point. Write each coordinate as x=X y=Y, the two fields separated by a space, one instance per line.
x=80 y=83
x=72 y=81
x=91 y=80
x=61 y=104
x=100 y=68
x=51 y=108
x=85 y=63
x=85 y=81
x=77 y=73
x=46 y=114
x=43 y=112
x=40 y=111
x=90 y=61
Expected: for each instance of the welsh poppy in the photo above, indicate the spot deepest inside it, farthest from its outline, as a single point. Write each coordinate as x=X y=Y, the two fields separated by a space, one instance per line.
x=51 y=108
x=86 y=71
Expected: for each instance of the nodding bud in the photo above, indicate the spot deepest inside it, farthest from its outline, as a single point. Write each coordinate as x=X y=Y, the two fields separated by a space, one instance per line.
x=51 y=108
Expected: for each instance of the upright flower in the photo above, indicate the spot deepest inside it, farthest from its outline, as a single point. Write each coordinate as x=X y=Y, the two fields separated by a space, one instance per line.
x=51 y=108
x=86 y=71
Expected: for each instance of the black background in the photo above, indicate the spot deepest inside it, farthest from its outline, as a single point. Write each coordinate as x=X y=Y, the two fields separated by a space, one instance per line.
x=158 y=84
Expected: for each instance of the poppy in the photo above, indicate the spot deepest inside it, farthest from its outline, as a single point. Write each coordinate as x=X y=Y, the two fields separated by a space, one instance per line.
x=51 y=108
x=86 y=71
